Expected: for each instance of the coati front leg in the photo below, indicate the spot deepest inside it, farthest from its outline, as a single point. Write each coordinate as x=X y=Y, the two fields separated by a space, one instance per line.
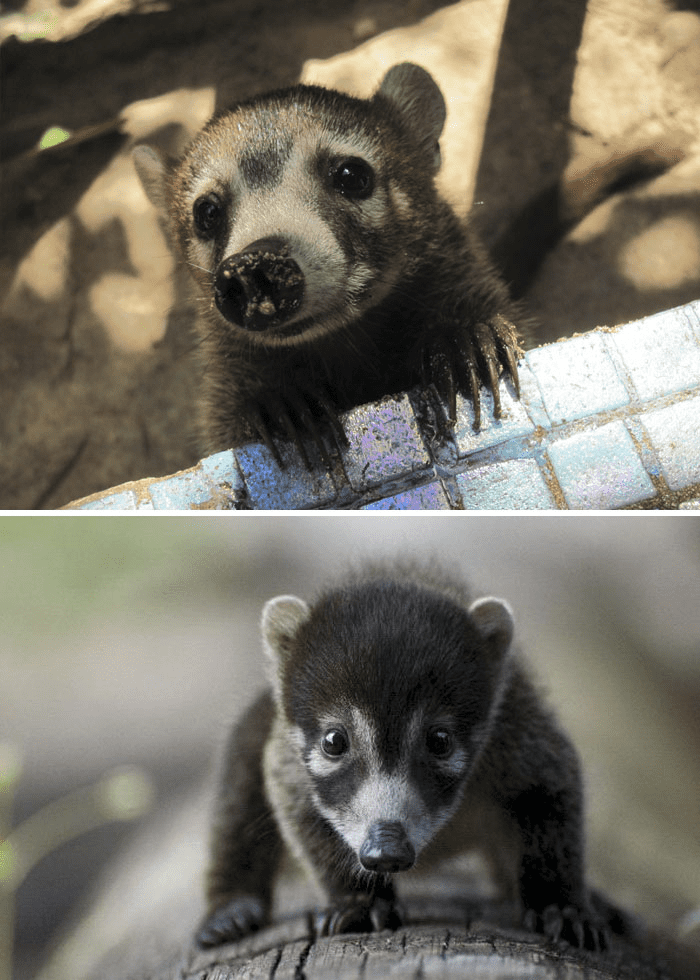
x=555 y=898
x=246 y=844
x=472 y=338
x=469 y=357
x=541 y=791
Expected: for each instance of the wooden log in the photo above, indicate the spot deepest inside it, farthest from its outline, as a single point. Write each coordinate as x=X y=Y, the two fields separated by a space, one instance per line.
x=442 y=939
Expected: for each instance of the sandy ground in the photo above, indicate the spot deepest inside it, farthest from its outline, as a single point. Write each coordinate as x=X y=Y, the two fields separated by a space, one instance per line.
x=97 y=385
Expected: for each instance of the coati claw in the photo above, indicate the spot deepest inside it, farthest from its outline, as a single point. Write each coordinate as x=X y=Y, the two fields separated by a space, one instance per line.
x=296 y=415
x=512 y=366
x=438 y=369
x=305 y=415
x=259 y=426
x=242 y=915
x=385 y=915
x=569 y=924
x=359 y=915
x=474 y=390
x=471 y=361
x=290 y=429
x=331 y=414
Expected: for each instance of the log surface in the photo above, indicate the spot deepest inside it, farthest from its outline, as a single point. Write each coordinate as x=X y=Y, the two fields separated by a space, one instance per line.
x=490 y=947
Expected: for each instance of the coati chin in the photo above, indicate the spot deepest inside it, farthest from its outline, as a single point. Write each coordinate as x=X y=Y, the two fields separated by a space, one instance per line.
x=330 y=271
x=398 y=709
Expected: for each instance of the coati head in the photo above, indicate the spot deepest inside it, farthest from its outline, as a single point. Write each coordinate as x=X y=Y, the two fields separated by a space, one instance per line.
x=296 y=210
x=389 y=693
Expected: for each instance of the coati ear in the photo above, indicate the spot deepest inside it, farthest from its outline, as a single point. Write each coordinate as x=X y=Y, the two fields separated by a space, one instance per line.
x=493 y=619
x=418 y=101
x=150 y=167
x=281 y=618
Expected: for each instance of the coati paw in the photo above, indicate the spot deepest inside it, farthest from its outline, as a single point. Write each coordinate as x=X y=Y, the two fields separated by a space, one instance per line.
x=242 y=915
x=359 y=916
x=571 y=925
x=471 y=359
x=296 y=414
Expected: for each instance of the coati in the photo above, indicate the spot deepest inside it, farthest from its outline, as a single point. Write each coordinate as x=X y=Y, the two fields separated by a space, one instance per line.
x=330 y=271
x=398 y=709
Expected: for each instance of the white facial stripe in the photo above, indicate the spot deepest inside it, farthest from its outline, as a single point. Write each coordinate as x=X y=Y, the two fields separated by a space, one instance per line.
x=381 y=796
x=296 y=736
x=385 y=798
x=320 y=765
x=364 y=738
x=401 y=202
x=334 y=288
x=313 y=245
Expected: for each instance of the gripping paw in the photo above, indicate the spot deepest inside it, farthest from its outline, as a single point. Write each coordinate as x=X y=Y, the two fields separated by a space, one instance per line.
x=359 y=915
x=470 y=359
x=240 y=916
x=296 y=414
x=570 y=924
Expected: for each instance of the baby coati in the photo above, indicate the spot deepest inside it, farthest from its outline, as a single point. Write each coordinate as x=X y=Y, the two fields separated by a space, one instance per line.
x=398 y=710
x=331 y=272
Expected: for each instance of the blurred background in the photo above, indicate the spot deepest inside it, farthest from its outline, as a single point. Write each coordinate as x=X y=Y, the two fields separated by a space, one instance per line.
x=135 y=641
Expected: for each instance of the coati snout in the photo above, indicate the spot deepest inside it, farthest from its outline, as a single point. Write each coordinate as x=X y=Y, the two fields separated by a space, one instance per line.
x=260 y=287
x=387 y=849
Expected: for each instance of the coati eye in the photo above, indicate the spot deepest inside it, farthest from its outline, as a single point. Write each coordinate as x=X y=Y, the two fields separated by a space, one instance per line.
x=208 y=214
x=334 y=742
x=353 y=177
x=438 y=742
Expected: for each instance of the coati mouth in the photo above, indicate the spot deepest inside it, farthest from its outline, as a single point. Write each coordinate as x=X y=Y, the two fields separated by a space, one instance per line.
x=260 y=288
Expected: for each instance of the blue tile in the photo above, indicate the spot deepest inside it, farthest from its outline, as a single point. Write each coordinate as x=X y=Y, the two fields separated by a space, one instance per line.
x=661 y=353
x=516 y=484
x=293 y=488
x=384 y=443
x=577 y=378
x=430 y=497
x=180 y=492
x=675 y=435
x=531 y=396
x=600 y=469
x=222 y=468
x=125 y=500
x=514 y=422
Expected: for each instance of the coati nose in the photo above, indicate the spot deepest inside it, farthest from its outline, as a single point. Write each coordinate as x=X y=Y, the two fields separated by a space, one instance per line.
x=387 y=848
x=260 y=287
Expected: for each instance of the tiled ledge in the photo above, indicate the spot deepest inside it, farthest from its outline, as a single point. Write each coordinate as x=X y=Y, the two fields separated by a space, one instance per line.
x=608 y=419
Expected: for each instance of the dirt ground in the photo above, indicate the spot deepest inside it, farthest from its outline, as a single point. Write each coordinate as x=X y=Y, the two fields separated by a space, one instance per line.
x=97 y=385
